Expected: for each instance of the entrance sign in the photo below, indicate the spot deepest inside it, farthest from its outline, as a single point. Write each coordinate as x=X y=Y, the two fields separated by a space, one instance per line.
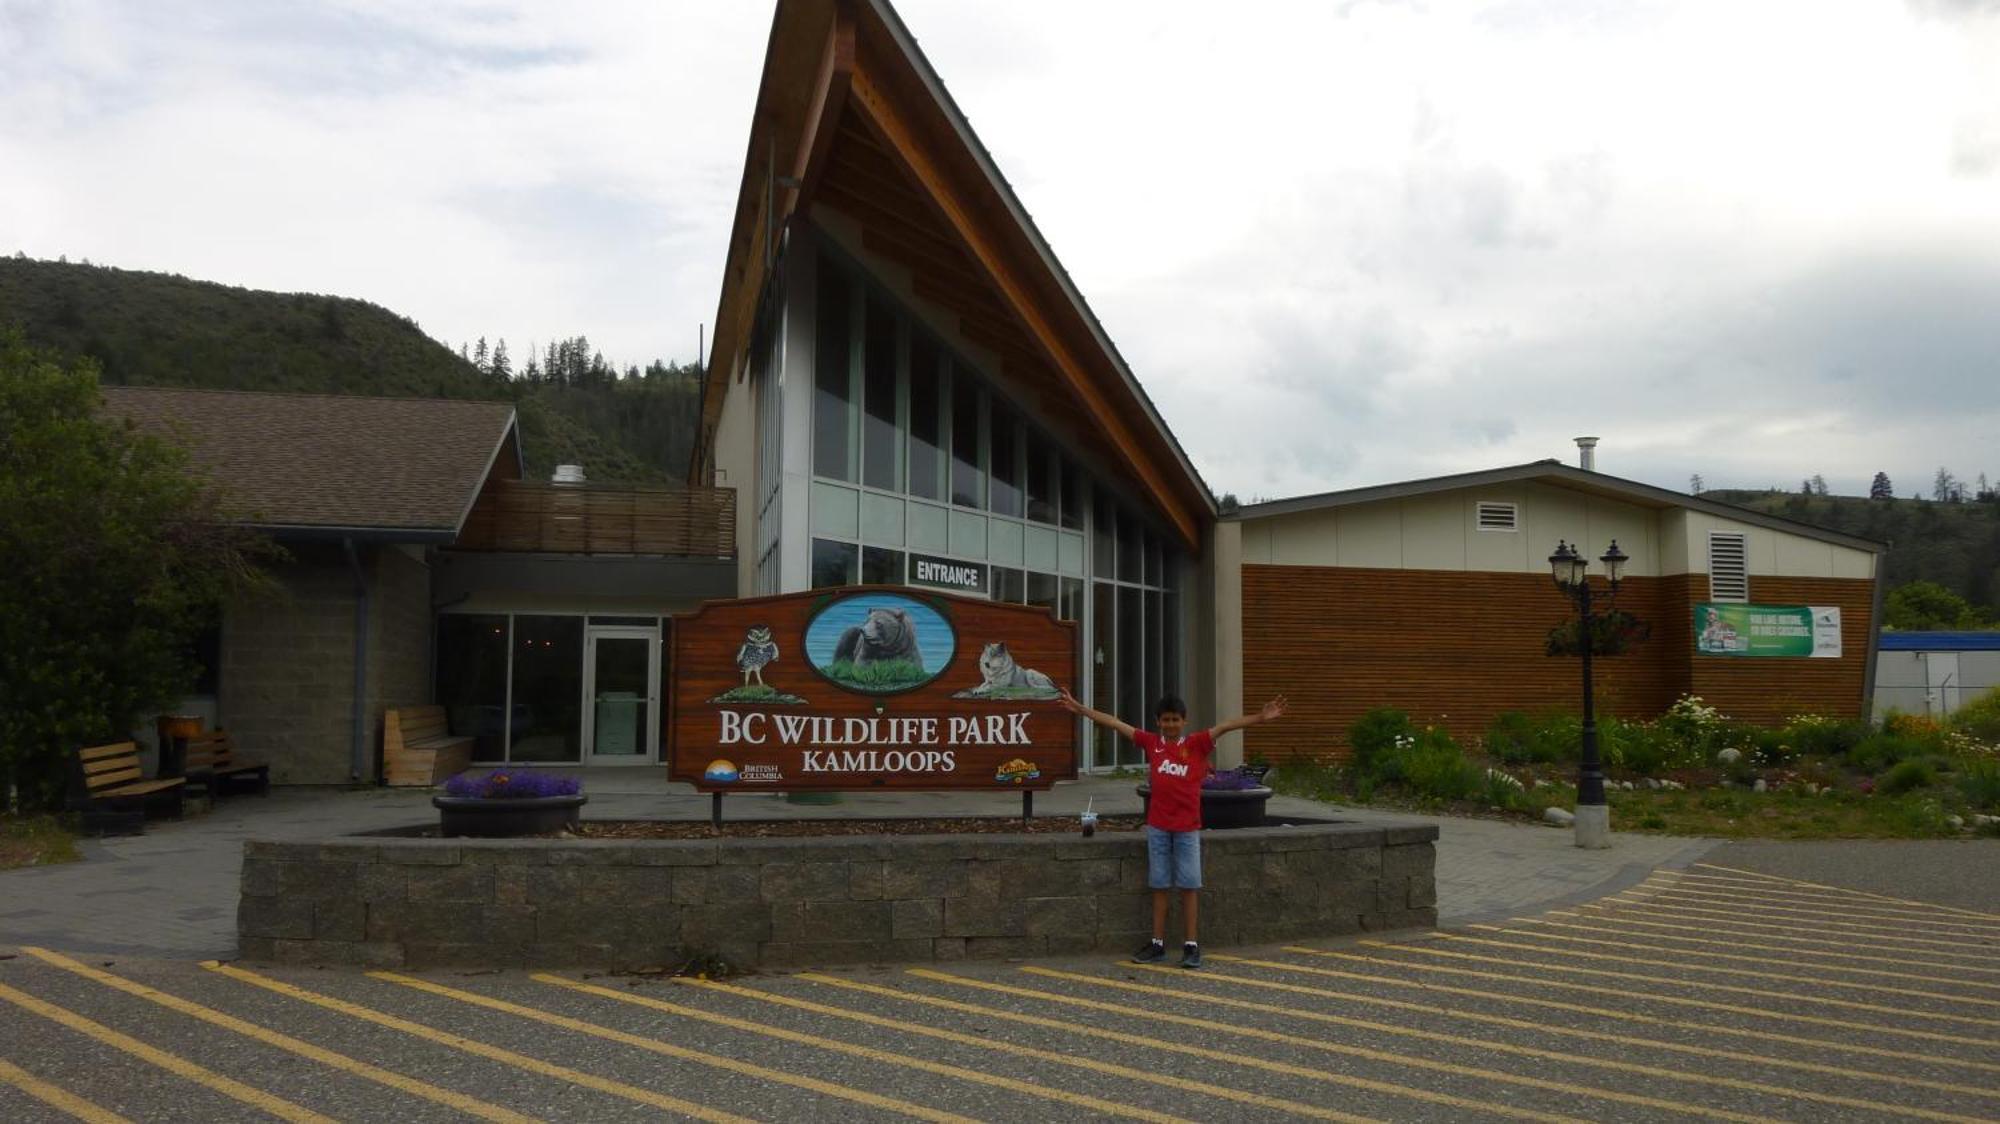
x=928 y=572
x=1795 y=631
x=871 y=687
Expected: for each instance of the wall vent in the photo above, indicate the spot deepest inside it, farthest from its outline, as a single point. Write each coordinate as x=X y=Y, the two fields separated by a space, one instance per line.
x=1728 y=566
x=1492 y=516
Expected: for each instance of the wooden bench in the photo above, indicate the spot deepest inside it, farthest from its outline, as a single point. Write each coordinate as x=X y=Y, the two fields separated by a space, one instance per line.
x=110 y=789
x=418 y=747
x=212 y=764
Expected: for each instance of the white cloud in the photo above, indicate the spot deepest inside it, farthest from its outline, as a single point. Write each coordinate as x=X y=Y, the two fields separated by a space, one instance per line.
x=1340 y=243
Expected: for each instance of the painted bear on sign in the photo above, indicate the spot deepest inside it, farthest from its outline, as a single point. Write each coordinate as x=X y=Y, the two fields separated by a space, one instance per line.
x=887 y=635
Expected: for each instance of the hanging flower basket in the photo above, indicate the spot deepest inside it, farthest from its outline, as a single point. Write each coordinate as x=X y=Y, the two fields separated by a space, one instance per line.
x=1611 y=634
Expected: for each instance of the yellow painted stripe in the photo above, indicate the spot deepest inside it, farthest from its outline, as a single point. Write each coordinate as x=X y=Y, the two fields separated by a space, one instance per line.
x=1542 y=926
x=1212 y=1026
x=1731 y=920
x=985 y=1043
x=1719 y=930
x=1148 y=1042
x=469 y=1105
x=1557 y=1056
x=942 y=1069
x=1675 y=1000
x=1558 y=1027
x=200 y=1075
x=484 y=1050
x=1778 y=891
x=56 y=1096
x=667 y=1049
x=1423 y=949
x=1761 y=876
x=1858 y=916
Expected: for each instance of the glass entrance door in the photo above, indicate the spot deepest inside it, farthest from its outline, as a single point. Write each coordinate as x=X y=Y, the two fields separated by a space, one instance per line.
x=621 y=696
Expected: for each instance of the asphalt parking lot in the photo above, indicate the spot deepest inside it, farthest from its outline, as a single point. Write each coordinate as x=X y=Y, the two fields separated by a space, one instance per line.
x=1715 y=993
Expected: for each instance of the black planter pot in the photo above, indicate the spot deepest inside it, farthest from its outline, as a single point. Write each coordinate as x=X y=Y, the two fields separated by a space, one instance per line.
x=521 y=815
x=1225 y=808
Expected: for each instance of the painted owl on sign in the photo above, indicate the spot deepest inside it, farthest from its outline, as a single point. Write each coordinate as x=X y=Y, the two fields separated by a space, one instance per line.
x=758 y=649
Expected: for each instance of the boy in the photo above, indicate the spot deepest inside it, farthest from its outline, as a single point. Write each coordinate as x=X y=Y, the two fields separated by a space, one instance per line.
x=1175 y=766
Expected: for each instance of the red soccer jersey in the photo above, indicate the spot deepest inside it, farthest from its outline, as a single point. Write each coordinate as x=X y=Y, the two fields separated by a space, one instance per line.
x=1174 y=770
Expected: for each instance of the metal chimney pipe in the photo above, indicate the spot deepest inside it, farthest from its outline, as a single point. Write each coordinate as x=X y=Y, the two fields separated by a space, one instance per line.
x=1586 y=453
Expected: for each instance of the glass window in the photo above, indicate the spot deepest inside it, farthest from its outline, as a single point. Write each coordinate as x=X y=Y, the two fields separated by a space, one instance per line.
x=1152 y=558
x=1071 y=608
x=547 y=716
x=1042 y=591
x=833 y=563
x=880 y=566
x=1008 y=586
x=472 y=680
x=926 y=419
x=1133 y=705
x=1005 y=453
x=1153 y=661
x=1070 y=485
x=881 y=448
x=1103 y=527
x=1129 y=569
x=1041 y=479
x=1103 y=670
x=1170 y=645
x=833 y=401
x=968 y=480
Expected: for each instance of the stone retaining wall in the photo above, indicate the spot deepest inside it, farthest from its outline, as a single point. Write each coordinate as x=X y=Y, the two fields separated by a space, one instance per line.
x=388 y=902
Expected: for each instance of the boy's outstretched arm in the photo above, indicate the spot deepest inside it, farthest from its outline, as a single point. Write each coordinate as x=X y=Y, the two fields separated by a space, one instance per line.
x=1108 y=721
x=1271 y=712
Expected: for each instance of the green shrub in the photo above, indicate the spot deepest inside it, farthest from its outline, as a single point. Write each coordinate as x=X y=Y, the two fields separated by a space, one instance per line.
x=1885 y=748
x=1517 y=737
x=1377 y=732
x=1639 y=747
x=1980 y=782
x=1907 y=776
x=1817 y=735
x=1980 y=718
x=1437 y=770
x=1694 y=729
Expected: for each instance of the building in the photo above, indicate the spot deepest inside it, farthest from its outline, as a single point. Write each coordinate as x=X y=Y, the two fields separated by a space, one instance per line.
x=420 y=566
x=1934 y=673
x=906 y=388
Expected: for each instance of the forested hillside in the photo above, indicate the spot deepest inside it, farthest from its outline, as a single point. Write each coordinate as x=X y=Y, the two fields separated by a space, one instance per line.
x=1954 y=543
x=155 y=329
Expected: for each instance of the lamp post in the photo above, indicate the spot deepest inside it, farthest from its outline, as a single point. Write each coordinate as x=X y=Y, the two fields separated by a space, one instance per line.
x=1571 y=571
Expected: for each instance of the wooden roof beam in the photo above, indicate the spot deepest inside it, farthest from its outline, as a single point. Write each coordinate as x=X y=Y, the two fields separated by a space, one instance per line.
x=902 y=142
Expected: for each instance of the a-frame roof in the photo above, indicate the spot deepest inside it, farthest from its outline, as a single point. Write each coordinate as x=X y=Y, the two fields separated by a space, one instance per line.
x=851 y=116
x=1559 y=475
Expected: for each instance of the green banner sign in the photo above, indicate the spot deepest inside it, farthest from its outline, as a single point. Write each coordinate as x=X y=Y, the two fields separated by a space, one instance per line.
x=1793 y=631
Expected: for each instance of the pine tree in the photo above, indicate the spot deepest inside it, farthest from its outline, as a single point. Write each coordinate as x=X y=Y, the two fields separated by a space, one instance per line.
x=1696 y=485
x=479 y=355
x=1818 y=484
x=501 y=369
x=1943 y=485
x=1880 y=489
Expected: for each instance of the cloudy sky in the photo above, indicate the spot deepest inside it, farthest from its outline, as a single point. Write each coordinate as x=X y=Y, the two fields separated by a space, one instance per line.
x=1341 y=244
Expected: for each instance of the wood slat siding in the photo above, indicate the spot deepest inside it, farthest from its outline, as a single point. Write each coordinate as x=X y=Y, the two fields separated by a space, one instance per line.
x=1455 y=648
x=537 y=517
x=1771 y=690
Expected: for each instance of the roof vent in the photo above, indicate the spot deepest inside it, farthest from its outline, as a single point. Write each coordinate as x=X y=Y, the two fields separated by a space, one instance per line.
x=1586 y=453
x=568 y=474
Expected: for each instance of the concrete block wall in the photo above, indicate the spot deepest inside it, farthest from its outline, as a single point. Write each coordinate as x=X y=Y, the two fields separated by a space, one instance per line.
x=287 y=677
x=790 y=901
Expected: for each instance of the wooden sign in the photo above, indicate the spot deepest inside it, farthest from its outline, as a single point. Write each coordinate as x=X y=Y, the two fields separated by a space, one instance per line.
x=869 y=687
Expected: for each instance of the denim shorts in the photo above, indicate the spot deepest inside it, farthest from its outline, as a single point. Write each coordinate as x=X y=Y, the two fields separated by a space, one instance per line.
x=1173 y=859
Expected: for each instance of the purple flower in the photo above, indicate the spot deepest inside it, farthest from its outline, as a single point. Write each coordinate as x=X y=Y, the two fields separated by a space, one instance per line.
x=1234 y=780
x=512 y=783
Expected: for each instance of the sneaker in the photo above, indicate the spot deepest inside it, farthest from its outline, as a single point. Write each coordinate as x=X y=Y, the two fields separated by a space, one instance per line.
x=1152 y=952
x=1191 y=956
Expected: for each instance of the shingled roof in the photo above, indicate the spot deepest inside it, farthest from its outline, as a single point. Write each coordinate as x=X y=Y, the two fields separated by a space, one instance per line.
x=380 y=467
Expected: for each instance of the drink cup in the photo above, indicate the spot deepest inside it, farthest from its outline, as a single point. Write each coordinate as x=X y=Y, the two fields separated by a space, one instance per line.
x=1089 y=823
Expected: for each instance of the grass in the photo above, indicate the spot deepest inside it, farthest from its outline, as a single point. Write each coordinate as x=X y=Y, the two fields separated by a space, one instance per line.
x=756 y=692
x=35 y=841
x=1736 y=813
x=889 y=675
